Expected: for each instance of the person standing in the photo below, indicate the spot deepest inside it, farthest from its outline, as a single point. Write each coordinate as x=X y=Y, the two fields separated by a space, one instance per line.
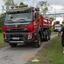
x=59 y=29
x=62 y=36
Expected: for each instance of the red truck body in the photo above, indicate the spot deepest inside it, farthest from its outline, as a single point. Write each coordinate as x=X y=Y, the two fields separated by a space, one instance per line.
x=32 y=32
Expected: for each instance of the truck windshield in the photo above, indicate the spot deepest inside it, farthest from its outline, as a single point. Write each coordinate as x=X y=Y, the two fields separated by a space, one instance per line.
x=18 y=17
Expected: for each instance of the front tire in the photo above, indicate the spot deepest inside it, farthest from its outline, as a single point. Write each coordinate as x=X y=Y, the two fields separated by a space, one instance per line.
x=41 y=36
x=37 y=44
x=13 y=44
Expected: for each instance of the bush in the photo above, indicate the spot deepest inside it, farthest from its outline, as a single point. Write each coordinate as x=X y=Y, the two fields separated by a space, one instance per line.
x=1 y=31
x=1 y=24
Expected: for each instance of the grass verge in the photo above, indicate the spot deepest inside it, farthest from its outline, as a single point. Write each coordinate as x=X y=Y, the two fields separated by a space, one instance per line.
x=2 y=44
x=51 y=53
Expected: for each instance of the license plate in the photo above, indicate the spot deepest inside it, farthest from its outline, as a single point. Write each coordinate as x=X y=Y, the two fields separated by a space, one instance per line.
x=15 y=38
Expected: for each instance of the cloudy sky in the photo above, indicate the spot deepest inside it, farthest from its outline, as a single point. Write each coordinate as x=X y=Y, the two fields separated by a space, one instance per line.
x=60 y=2
x=30 y=2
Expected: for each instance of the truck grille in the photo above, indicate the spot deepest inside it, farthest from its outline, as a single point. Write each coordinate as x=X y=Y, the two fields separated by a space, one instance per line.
x=17 y=30
x=17 y=33
x=21 y=36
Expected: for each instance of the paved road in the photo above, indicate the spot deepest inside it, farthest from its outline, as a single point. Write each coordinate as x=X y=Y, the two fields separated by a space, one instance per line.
x=19 y=55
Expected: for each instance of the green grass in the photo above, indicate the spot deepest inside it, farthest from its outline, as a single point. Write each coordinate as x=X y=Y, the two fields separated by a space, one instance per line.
x=2 y=44
x=51 y=53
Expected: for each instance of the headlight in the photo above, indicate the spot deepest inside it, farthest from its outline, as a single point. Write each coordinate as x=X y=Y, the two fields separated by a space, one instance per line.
x=29 y=36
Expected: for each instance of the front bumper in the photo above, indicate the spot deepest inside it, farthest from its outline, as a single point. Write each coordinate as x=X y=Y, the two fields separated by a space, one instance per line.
x=19 y=38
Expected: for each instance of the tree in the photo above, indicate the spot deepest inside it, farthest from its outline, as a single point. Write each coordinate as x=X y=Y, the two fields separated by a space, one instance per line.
x=22 y=3
x=52 y=18
x=9 y=3
x=44 y=10
x=43 y=6
x=2 y=18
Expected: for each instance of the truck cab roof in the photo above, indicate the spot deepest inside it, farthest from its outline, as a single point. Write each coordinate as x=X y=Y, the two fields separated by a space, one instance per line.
x=23 y=9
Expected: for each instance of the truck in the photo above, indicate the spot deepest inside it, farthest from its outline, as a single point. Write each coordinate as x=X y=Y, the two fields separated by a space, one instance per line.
x=26 y=26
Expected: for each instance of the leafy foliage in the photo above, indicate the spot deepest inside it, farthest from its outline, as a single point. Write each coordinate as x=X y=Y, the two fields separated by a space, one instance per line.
x=52 y=18
x=2 y=17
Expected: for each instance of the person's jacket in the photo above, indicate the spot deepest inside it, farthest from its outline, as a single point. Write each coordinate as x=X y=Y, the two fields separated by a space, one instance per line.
x=62 y=30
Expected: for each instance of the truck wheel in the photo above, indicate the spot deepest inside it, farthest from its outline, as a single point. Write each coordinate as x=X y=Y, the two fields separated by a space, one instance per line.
x=49 y=38
x=13 y=44
x=41 y=36
x=38 y=43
